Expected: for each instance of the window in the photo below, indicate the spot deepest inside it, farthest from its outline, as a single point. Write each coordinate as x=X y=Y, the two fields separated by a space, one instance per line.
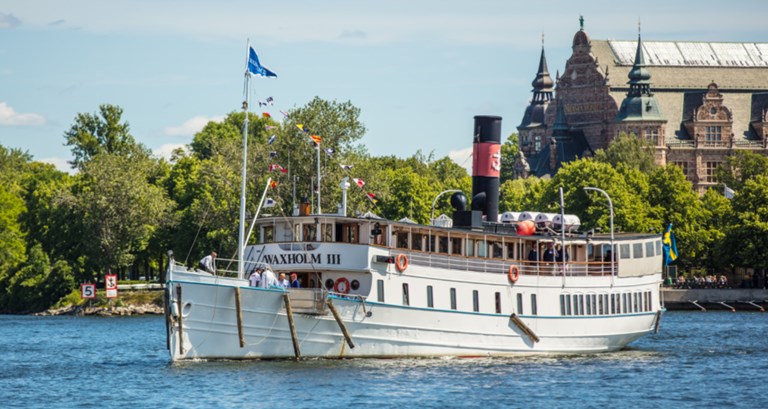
x=309 y=232
x=713 y=134
x=709 y=172
x=498 y=303
x=581 y=304
x=637 y=250
x=589 y=305
x=268 y=234
x=380 y=290
x=534 y=307
x=537 y=143
x=562 y=304
x=430 y=298
x=658 y=246
x=567 y=304
x=624 y=250
x=614 y=304
x=624 y=303
x=453 y=298
x=402 y=240
x=406 y=298
x=327 y=232
x=652 y=134
x=455 y=245
x=511 y=251
x=594 y=303
x=470 y=247
x=350 y=233
x=519 y=304
x=417 y=240
x=475 y=301
x=442 y=246
x=600 y=305
x=482 y=250
x=684 y=167
x=649 y=249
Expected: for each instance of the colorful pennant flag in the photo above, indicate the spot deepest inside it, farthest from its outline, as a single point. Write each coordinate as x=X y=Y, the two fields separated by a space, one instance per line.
x=273 y=154
x=268 y=101
x=315 y=138
x=303 y=128
x=346 y=167
x=330 y=151
x=275 y=166
x=360 y=182
x=273 y=184
x=728 y=192
x=372 y=197
x=269 y=127
x=269 y=202
x=255 y=68
x=271 y=139
x=670 y=245
x=285 y=114
x=266 y=115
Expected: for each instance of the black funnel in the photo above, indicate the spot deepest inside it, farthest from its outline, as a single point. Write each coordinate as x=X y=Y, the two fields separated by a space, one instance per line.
x=486 y=166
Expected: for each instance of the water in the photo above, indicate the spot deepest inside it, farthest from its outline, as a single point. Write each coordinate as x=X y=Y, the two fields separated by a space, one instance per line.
x=712 y=359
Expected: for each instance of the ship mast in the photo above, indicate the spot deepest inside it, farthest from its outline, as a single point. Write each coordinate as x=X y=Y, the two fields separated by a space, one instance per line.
x=241 y=231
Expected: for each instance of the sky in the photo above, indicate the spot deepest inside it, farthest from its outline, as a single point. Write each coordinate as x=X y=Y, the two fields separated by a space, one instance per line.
x=418 y=70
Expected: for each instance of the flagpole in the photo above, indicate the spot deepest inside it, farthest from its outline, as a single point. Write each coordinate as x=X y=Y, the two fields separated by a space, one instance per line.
x=318 y=178
x=241 y=233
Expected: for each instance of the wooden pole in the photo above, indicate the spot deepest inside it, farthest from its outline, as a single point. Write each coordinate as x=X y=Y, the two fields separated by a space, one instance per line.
x=181 y=326
x=239 y=318
x=341 y=323
x=167 y=312
x=294 y=336
x=520 y=324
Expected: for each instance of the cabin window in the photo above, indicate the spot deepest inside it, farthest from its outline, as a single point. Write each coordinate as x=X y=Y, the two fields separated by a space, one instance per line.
x=519 y=304
x=406 y=297
x=649 y=249
x=442 y=246
x=589 y=304
x=402 y=240
x=637 y=303
x=456 y=245
x=309 y=232
x=430 y=297
x=658 y=246
x=511 y=251
x=380 y=290
x=417 y=241
x=650 y=301
x=453 y=298
x=496 y=249
x=470 y=248
x=350 y=232
x=482 y=251
x=624 y=251
x=327 y=231
x=562 y=304
x=600 y=305
x=268 y=234
x=568 y=304
x=624 y=303
x=475 y=301
x=534 y=307
x=594 y=303
x=498 y=303
x=637 y=250
x=581 y=304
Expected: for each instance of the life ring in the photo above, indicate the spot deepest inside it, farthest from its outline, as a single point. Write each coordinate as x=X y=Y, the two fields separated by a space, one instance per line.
x=341 y=286
x=513 y=274
x=401 y=262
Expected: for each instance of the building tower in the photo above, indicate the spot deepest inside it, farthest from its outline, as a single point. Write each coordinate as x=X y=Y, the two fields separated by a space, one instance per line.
x=533 y=128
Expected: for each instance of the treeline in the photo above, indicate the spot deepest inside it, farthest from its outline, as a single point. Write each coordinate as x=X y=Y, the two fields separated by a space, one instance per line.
x=123 y=209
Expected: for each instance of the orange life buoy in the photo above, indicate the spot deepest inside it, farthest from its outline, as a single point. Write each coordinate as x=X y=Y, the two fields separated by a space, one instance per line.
x=341 y=286
x=514 y=274
x=401 y=262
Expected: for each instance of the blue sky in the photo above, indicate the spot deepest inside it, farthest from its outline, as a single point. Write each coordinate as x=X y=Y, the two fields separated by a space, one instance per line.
x=418 y=70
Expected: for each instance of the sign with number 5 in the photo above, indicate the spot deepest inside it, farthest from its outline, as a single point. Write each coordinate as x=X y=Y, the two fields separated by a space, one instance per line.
x=88 y=290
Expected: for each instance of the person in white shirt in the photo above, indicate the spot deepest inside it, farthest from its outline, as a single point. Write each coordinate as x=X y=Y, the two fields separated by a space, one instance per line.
x=283 y=281
x=268 y=279
x=255 y=278
x=208 y=263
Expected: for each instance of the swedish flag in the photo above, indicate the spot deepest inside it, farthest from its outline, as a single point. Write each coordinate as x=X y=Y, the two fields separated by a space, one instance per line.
x=670 y=246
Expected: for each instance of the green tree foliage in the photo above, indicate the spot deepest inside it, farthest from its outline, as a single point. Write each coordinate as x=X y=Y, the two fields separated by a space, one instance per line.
x=747 y=234
x=101 y=132
x=13 y=165
x=509 y=150
x=36 y=285
x=518 y=195
x=740 y=167
x=629 y=150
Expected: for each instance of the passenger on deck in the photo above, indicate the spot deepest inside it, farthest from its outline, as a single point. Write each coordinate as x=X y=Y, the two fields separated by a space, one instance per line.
x=255 y=278
x=295 y=283
x=208 y=263
x=549 y=254
x=282 y=281
x=533 y=255
x=268 y=279
x=559 y=253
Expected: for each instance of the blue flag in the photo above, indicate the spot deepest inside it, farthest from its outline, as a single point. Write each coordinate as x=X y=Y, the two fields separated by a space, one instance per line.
x=255 y=68
x=670 y=246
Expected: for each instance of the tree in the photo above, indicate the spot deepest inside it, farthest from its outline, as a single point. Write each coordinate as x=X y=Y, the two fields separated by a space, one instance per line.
x=629 y=150
x=119 y=208
x=92 y=134
x=741 y=166
x=747 y=234
x=509 y=151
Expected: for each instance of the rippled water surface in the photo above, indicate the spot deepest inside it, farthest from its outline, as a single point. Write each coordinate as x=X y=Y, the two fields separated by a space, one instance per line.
x=712 y=359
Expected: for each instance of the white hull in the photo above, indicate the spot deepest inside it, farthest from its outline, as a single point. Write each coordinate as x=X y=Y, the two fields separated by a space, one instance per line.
x=208 y=327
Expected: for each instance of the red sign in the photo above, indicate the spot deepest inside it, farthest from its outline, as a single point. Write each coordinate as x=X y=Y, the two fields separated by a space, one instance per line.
x=111 y=285
x=88 y=290
x=486 y=159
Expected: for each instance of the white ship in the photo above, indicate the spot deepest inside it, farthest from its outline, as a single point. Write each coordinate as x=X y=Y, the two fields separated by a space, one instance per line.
x=381 y=288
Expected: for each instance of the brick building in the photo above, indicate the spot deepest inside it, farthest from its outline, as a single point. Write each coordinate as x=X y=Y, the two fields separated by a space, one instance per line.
x=696 y=102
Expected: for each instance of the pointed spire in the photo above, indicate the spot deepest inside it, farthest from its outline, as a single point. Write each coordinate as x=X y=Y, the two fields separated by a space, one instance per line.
x=542 y=84
x=639 y=76
x=560 y=126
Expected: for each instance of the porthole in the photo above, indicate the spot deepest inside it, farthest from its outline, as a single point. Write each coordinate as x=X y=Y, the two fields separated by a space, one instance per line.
x=329 y=284
x=354 y=284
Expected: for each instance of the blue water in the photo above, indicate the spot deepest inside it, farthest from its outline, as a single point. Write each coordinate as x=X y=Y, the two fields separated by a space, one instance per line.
x=699 y=359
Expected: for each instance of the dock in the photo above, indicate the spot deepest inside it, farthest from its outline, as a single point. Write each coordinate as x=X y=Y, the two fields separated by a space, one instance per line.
x=715 y=299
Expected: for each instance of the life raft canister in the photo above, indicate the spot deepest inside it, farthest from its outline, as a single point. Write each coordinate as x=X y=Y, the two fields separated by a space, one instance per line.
x=341 y=286
x=513 y=274
x=401 y=262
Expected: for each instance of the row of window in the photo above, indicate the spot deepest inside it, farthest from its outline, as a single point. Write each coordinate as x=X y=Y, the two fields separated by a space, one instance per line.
x=606 y=304
x=709 y=171
x=652 y=248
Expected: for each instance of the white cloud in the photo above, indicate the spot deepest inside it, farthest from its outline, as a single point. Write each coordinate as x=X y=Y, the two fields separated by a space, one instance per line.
x=9 y=116
x=9 y=21
x=463 y=157
x=166 y=150
x=191 y=126
x=60 y=163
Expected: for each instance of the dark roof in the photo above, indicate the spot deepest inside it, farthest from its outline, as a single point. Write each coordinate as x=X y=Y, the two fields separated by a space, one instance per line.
x=567 y=150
